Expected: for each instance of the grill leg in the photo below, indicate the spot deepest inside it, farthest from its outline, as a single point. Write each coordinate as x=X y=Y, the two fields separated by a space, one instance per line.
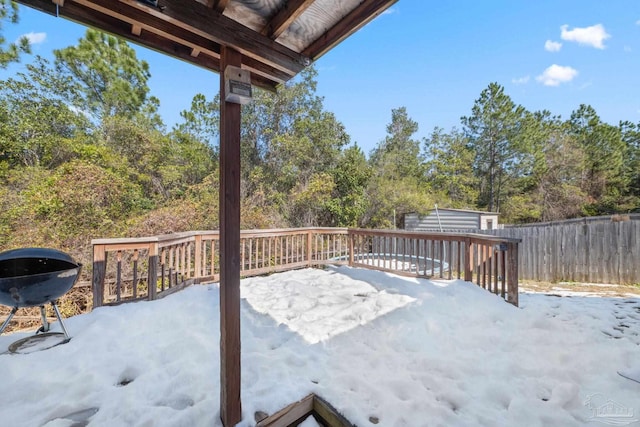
x=45 y=324
x=6 y=322
x=55 y=308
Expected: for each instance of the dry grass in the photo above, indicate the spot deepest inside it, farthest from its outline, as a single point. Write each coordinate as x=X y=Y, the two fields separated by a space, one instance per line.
x=609 y=290
x=77 y=301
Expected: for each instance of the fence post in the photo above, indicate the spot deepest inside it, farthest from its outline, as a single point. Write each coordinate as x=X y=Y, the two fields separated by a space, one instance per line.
x=152 y=275
x=99 y=272
x=467 y=260
x=351 y=237
x=309 y=240
x=512 y=274
x=198 y=254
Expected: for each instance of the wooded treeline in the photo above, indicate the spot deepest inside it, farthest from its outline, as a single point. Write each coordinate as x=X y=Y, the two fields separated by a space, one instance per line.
x=84 y=154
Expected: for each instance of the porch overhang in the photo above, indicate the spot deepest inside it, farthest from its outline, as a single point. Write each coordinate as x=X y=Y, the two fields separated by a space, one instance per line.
x=276 y=38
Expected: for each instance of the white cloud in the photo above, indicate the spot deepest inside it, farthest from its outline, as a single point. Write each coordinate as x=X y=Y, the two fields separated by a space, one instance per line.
x=638 y=22
x=389 y=11
x=520 y=80
x=628 y=49
x=586 y=85
x=593 y=36
x=35 y=38
x=552 y=46
x=557 y=74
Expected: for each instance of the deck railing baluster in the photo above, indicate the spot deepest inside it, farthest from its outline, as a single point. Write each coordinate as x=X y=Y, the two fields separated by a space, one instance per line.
x=136 y=254
x=118 y=275
x=163 y=267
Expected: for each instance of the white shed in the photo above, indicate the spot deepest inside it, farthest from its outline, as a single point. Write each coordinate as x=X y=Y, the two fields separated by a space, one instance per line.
x=451 y=219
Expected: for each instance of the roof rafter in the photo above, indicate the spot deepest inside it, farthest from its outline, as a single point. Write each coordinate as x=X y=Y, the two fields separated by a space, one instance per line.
x=218 y=5
x=171 y=40
x=209 y=23
x=191 y=17
x=356 y=19
x=197 y=30
x=285 y=16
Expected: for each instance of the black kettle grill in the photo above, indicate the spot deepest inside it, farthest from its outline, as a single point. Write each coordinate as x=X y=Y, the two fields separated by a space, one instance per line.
x=31 y=277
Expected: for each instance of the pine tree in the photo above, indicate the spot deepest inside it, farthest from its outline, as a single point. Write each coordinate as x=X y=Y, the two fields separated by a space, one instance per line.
x=491 y=130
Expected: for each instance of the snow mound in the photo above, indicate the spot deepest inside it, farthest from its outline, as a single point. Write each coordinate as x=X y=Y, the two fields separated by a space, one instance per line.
x=405 y=352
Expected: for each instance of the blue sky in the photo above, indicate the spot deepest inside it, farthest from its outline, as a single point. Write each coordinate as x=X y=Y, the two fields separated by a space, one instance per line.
x=434 y=58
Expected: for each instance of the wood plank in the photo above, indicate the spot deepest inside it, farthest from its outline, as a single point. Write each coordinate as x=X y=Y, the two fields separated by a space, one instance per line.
x=99 y=272
x=473 y=237
x=230 y=365
x=291 y=10
x=218 y=5
x=512 y=273
x=115 y=17
x=629 y=252
x=328 y=414
x=198 y=18
x=310 y=405
x=290 y=414
x=152 y=275
x=170 y=40
x=180 y=45
x=175 y=289
x=468 y=274
x=360 y=16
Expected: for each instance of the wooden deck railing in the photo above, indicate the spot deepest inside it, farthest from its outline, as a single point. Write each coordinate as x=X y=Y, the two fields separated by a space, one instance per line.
x=123 y=269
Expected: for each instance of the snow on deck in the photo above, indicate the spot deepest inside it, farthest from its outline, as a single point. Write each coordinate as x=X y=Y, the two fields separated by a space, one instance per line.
x=410 y=352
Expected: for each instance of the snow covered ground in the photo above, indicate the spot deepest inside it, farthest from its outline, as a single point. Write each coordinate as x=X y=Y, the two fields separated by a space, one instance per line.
x=408 y=352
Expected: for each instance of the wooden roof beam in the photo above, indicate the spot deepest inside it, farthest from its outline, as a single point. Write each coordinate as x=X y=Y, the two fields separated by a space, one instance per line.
x=218 y=5
x=282 y=20
x=189 y=16
x=262 y=76
x=360 y=16
x=150 y=39
x=198 y=18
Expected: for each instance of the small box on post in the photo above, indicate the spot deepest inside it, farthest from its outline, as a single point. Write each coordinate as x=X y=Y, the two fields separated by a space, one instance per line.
x=237 y=85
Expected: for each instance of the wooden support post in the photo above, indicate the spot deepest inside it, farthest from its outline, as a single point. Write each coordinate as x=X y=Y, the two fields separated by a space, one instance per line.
x=152 y=275
x=351 y=248
x=512 y=273
x=308 y=249
x=230 y=405
x=450 y=261
x=99 y=272
x=198 y=273
x=118 y=275
x=503 y=272
x=134 y=286
x=468 y=275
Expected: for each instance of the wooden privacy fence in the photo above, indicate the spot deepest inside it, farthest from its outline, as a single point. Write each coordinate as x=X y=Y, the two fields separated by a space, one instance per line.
x=132 y=269
x=595 y=250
